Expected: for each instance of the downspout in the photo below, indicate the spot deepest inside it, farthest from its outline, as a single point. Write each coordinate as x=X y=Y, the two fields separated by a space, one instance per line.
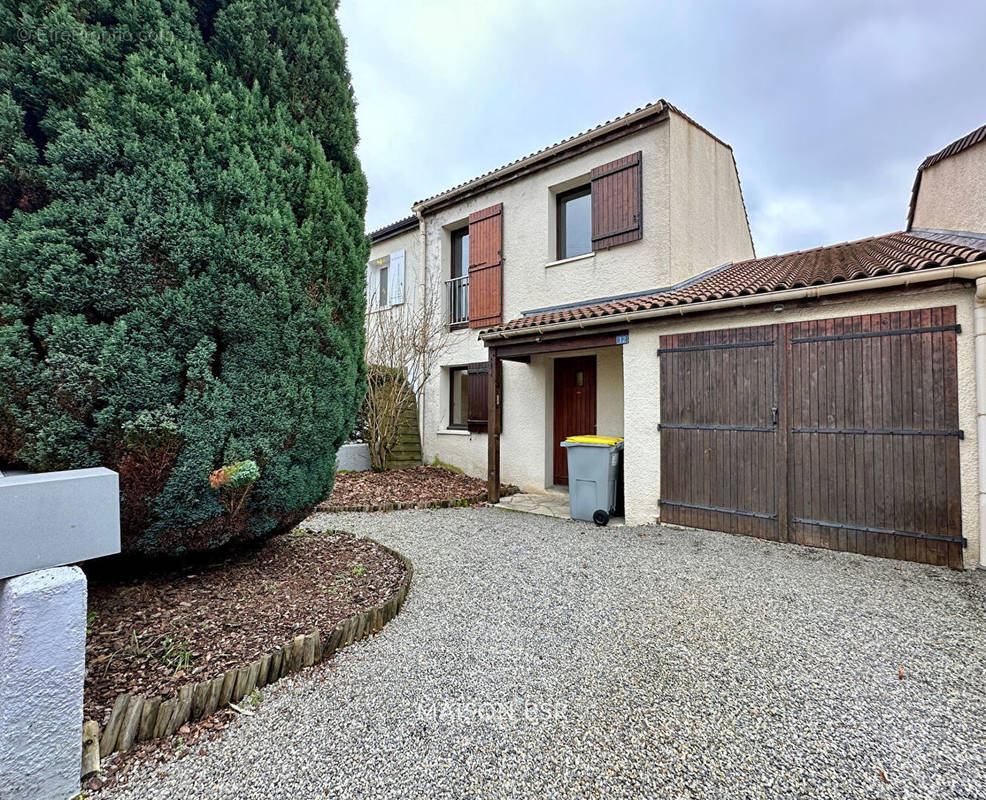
x=422 y=245
x=979 y=317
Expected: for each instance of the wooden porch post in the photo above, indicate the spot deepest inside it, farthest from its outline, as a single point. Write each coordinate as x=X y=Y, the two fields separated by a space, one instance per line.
x=494 y=388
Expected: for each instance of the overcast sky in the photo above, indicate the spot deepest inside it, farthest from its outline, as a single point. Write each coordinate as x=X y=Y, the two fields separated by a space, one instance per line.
x=829 y=106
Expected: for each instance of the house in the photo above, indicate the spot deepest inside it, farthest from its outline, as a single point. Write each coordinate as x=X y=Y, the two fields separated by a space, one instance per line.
x=830 y=397
x=491 y=250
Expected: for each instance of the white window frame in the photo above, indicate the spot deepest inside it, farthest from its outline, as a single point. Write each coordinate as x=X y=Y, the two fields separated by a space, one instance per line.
x=392 y=266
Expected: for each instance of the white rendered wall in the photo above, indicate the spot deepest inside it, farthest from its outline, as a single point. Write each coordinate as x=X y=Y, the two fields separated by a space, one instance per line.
x=353 y=457
x=952 y=195
x=42 y=668
x=708 y=224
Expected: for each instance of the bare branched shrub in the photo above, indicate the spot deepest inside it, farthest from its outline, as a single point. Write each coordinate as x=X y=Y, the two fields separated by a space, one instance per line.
x=403 y=348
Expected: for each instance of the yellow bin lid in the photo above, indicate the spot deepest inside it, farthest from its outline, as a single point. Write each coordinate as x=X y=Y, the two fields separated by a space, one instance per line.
x=595 y=439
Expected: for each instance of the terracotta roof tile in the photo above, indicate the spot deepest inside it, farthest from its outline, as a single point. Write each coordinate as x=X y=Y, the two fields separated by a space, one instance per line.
x=865 y=258
x=967 y=141
x=656 y=107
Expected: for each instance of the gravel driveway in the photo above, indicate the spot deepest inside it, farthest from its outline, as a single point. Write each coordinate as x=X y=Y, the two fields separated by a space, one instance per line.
x=539 y=657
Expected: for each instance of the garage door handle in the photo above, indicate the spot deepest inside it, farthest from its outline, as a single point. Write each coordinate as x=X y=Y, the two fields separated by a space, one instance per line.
x=773 y=411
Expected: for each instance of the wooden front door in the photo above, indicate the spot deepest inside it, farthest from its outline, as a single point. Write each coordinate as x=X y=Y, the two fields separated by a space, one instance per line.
x=575 y=406
x=838 y=433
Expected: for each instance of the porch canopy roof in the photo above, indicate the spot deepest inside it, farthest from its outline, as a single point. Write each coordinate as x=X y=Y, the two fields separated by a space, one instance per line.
x=853 y=265
x=559 y=342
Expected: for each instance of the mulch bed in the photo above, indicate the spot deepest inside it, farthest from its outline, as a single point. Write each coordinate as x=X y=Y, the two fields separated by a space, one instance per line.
x=405 y=488
x=152 y=634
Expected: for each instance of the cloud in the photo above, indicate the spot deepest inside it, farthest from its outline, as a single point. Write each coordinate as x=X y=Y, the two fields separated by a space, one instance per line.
x=829 y=106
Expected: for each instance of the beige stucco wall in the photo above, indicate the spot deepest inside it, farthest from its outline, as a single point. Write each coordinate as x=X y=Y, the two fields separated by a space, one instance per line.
x=528 y=247
x=704 y=187
x=642 y=396
x=708 y=225
x=609 y=391
x=529 y=232
x=952 y=195
x=526 y=444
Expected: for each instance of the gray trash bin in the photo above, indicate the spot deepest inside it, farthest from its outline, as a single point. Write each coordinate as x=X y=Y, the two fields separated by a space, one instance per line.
x=593 y=470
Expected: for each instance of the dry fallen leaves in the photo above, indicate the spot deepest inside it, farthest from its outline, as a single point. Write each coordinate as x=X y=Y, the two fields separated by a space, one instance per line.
x=423 y=484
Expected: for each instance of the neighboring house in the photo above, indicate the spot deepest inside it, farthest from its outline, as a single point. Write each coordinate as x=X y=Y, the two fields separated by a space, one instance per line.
x=826 y=397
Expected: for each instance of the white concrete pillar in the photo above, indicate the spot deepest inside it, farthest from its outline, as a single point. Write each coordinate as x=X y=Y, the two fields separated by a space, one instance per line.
x=980 y=342
x=641 y=415
x=42 y=669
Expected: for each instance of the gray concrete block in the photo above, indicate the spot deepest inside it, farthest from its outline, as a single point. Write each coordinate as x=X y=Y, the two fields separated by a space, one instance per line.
x=42 y=668
x=353 y=457
x=48 y=519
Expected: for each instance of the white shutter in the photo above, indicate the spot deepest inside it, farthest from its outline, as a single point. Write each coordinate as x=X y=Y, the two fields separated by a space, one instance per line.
x=395 y=288
x=371 y=288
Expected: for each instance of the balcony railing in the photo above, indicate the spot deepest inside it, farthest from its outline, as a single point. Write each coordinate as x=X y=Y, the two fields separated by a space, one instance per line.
x=458 y=301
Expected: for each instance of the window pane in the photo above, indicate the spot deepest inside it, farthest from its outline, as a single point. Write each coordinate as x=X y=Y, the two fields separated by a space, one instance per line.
x=382 y=293
x=460 y=253
x=575 y=223
x=459 y=411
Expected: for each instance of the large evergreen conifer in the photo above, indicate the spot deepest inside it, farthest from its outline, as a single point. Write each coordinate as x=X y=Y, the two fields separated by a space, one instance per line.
x=181 y=256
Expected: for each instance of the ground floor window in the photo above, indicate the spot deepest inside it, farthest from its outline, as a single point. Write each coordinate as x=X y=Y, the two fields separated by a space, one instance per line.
x=458 y=415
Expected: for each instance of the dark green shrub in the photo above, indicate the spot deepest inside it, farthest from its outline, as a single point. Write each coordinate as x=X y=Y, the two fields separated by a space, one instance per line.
x=181 y=256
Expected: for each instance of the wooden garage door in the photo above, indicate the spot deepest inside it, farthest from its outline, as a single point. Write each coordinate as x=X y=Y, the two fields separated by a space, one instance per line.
x=839 y=433
x=719 y=445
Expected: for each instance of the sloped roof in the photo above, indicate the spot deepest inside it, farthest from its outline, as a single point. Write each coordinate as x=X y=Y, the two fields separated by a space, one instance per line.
x=394 y=228
x=956 y=147
x=649 y=113
x=866 y=258
x=964 y=143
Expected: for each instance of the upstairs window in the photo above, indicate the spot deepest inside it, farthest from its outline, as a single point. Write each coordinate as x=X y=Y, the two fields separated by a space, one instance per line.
x=575 y=222
x=385 y=281
x=460 y=253
x=458 y=285
x=383 y=286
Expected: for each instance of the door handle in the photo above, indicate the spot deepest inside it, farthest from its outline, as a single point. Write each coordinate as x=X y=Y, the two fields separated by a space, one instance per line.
x=773 y=412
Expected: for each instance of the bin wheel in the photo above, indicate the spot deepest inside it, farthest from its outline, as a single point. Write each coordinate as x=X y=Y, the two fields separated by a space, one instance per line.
x=600 y=517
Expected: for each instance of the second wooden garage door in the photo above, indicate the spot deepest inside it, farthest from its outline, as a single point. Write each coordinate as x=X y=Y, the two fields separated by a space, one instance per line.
x=839 y=433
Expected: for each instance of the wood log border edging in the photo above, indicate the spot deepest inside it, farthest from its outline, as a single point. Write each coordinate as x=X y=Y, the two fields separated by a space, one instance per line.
x=135 y=718
x=459 y=502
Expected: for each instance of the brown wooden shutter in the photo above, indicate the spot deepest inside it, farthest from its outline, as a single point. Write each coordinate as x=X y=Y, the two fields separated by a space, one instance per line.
x=478 y=374
x=617 y=198
x=485 y=267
